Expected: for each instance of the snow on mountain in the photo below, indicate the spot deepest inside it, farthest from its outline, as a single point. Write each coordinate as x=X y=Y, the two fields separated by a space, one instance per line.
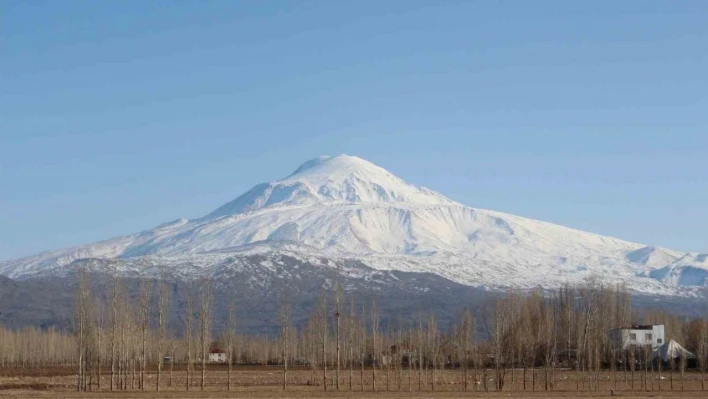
x=653 y=257
x=691 y=270
x=345 y=208
x=332 y=181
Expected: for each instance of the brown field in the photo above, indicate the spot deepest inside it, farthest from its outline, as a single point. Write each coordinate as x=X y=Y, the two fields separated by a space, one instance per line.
x=265 y=382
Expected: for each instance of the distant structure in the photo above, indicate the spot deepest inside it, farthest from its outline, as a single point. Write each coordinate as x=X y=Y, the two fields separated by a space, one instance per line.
x=638 y=335
x=671 y=350
x=217 y=355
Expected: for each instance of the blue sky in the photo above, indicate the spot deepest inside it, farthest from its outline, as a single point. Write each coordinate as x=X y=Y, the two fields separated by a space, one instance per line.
x=116 y=116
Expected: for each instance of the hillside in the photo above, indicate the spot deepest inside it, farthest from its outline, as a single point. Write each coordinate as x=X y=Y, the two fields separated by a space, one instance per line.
x=336 y=210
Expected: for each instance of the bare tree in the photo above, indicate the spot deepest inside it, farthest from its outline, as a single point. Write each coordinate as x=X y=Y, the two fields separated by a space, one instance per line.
x=702 y=350
x=498 y=332
x=173 y=344
x=206 y=299
x=433 y=347
x=324 y=332
x=646 y=351
x=352 y=317
x=465 y=337
x=163 y=306
x=126 y=326
x=311 y=334
x=188 y=330
x=420 y=352
x=144 y=321
x=230 y=335
x=590 y=298
x=682 y=367
x=100 y=326
x=114 y=327
x=399 y=353
x=362 y=343
x=285 y=325
x=337 y=315
x=374 y=328
x=549 y=323
x=84 y=308
x=411 y=353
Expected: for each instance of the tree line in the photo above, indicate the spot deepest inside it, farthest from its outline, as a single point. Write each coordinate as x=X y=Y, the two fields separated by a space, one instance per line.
x=521 y=341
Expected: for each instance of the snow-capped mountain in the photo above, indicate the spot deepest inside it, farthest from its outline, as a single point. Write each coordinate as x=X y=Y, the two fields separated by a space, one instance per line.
x=689 y=270
x=334 y=210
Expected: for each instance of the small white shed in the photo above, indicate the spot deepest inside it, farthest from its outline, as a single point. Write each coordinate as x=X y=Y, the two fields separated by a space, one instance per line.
x=217 y=355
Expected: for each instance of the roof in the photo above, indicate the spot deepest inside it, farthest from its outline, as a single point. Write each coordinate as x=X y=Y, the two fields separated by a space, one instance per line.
x=639 y=327
x=217 y=350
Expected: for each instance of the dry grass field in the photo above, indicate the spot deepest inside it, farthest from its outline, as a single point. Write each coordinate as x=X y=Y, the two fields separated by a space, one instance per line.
x=265 y=382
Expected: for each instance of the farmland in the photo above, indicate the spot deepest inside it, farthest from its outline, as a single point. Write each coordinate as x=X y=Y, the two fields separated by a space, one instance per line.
x=266 y=381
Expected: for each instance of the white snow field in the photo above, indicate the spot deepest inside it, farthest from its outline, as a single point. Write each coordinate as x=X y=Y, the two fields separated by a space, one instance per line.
x=346 y=208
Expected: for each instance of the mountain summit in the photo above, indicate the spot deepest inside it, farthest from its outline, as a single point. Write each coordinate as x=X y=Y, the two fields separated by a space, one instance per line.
x=342 y=179
x=335 y=210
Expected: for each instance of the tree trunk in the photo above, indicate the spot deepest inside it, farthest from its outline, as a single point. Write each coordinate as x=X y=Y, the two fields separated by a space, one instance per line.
x=337 y=315
x=351 y=343
x=98 y=354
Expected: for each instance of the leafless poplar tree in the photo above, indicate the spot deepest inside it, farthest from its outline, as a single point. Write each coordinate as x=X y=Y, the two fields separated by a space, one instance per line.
x=100 y=311
x=144 y=322
x=285 y=325
x=549 y=322
x=206 y=299
x=431 y=348
x=163 y=313
x=351 y=336
x=702 y=350
x=465 y=337
x=114 y=327
x=82 y=312
x=420 y=352
x=362 y=343
x=374 y=329
x=230 y=336
x=188 y=330
x=498 y=333
x=411 y=353
x=324 y=332
x=337 y=315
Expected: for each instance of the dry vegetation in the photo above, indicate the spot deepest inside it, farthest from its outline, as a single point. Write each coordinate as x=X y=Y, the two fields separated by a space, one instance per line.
x=536 y=345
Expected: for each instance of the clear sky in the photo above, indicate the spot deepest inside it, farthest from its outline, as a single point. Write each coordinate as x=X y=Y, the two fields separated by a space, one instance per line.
x=116 y=116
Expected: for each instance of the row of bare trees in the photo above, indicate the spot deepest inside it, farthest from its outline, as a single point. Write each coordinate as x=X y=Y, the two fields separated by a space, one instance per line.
x=33 y=347
x=131 y=334
x=534 y=334
x=521 y=341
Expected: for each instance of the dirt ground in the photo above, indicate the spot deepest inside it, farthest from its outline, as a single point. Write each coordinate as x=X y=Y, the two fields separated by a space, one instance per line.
x=266 y=382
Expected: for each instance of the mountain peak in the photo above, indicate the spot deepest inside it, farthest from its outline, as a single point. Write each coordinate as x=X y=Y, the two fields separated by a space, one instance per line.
x=311 y=164
x=325 y=180
x=344 y=208
x=339 y=165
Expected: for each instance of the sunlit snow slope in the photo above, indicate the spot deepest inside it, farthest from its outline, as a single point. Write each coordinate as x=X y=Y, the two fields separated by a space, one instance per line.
x=344 y=207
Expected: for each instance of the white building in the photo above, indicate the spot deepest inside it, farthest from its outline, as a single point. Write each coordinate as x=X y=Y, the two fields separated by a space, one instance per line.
x=217 y=356
x=638 y=335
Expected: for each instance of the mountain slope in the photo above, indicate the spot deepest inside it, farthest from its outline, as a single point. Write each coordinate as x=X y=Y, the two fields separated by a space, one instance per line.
x=345 y=208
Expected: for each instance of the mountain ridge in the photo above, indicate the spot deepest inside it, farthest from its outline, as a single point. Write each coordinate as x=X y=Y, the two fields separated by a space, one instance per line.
x=346 y=208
